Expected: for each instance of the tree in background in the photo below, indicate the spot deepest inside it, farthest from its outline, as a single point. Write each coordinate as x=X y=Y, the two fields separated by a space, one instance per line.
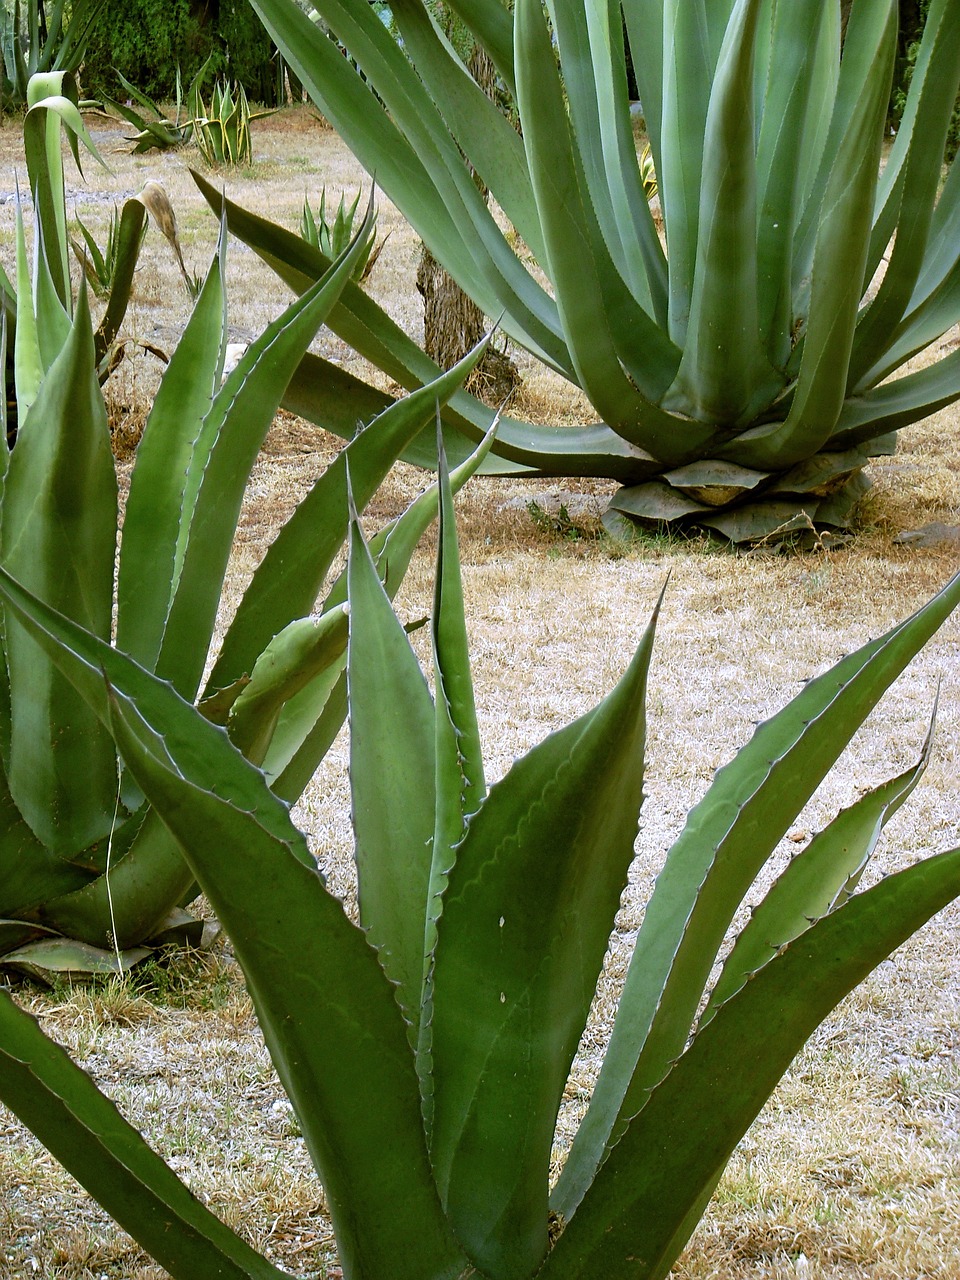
x=453 y=324
x=150 y=40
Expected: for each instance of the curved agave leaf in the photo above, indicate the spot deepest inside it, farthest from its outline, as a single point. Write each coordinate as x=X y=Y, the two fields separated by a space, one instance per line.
x=538 y=875
x=627 y=1223
x=329 y=1017
x=58 y=533
x=727 y=839
x=83 y=1129
x=416 y=161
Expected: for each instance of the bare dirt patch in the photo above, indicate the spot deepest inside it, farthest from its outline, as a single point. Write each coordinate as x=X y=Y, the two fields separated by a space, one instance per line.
x=851 y=1172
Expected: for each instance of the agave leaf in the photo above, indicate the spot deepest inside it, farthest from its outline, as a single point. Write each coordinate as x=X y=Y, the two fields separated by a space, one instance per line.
x=598 y=312
x=304 y=649
x=897 y=404
x=291 y=574
x=935 y=107
x=797 y=85
x=929 y=318
x=392 y=764
x=727 y=839
x=590 y=41
x=29 y=871
x=232 y=432
x=330 y=1018
x=171 y=460
x=691 y=45
x=724 y=374
x=130 y=898
x=27 y=360
x=421 y=167
x=460 y=787
x=83 y=1129
x=492 y=27
x=539 y=874
x=302 y=739
x=593 y=449
x=865 y=59
x=817 y=881
x=58 y=533
x=129 y=239
x=479 y=126
x=627 y=1223
x=838 y=265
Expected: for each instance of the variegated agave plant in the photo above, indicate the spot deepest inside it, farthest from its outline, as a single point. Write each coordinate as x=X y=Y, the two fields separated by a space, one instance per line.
x=745 y=366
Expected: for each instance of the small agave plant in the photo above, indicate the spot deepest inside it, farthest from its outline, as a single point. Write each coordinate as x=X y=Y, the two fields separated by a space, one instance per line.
x=425 y=1046
x=745 y=366
x=89 y=875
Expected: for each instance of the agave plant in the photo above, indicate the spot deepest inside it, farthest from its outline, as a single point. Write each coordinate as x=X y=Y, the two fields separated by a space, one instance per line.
x=156 y=130
x=87 y=871
x=222 y=129
x=39 y=308
x=38 y=39
x=746 y=368
x=331 y=238
x=425 y=1046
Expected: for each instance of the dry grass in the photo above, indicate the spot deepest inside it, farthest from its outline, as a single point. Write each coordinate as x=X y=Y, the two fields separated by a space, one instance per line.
x=852 y=1170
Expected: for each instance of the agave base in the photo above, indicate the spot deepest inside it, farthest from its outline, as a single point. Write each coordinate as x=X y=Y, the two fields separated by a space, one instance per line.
x=820 y=495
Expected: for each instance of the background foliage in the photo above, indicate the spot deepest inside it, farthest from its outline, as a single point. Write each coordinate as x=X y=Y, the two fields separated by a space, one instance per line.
x=147 y=40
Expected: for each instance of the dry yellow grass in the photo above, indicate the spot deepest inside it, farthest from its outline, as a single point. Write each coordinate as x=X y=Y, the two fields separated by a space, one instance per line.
x=852 y=1171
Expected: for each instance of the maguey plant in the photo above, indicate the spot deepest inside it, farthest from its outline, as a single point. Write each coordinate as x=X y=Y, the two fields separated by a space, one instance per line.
x=425 y=1044
x=746 y=363
x=88 y=873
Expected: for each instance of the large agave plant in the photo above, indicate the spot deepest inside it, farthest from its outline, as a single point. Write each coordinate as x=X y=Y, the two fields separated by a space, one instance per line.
x=88 y=873
x=425 y=1047
x=746 y=365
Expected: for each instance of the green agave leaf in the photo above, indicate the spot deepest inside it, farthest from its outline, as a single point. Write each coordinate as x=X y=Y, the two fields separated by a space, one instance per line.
x=292 y=572
x=685 y=1134
x=329 y=1016
x=724 y=375
x=867 y=22
x=838 y=266
x=460 y=787
x=929 y=318
x=727 y=839
x=801 y=77
x=167 y=475
x=305 y=733
x=692 y=35
x=133 y=218
x=599 y=316
x=392 y=765
x=479 y=126
x=899 y=403
x=593 y=449
x=418 y=164
x=303 y=650
x=526 y=917
x=29 y=871
x=83 y=1129
x=129 y=900
x=58 y=533
x=239 y=418
x=27 y=360
x=818 y=880
x=934 y=110
x=590 y=41
x=492 y=26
